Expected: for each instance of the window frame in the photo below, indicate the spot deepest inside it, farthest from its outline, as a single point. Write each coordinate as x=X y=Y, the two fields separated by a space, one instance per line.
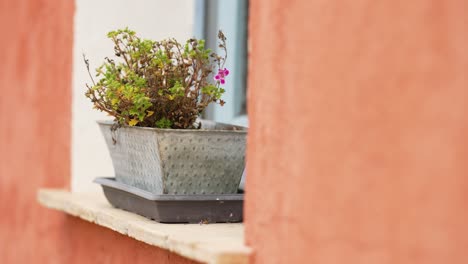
x=232 y=18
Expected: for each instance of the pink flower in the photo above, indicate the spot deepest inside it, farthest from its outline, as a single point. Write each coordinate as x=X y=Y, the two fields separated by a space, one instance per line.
x=220 y=77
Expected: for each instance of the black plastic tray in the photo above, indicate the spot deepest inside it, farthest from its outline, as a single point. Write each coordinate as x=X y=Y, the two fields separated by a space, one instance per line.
x=174 y=208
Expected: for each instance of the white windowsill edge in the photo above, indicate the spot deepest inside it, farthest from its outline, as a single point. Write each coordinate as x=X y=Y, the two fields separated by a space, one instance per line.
x=207 y=243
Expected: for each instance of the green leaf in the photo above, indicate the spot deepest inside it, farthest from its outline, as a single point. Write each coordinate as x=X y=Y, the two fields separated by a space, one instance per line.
x=164 y=123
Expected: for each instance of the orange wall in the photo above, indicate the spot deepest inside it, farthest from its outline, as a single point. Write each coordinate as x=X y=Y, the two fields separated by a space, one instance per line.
x=35 y=72
x=35 y=112
x=95 y=244
x=358 y=147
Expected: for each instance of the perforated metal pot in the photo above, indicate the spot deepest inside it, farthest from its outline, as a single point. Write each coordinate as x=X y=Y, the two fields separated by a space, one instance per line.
x=178 y=161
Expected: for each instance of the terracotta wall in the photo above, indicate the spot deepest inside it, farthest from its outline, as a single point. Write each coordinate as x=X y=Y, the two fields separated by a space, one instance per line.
x=35 y=111
x=35 y=71
x=358 y=147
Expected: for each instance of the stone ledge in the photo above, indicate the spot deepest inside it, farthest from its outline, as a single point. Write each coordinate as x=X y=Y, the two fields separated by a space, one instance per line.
x=210 y=243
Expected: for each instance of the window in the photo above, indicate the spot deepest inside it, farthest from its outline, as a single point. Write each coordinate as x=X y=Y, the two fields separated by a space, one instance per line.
x=231 y=17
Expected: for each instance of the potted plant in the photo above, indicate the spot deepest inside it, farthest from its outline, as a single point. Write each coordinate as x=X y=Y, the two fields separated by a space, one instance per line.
x=156 y=92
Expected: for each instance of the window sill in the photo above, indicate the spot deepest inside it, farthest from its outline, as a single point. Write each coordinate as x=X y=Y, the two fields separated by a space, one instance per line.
x=210 y=243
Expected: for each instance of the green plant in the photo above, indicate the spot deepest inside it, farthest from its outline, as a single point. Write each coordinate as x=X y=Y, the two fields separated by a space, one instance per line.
x=161 y=84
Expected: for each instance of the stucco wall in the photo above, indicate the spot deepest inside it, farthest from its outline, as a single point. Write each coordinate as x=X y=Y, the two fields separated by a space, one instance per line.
x=358 y=144
x=35 y=71
x=94 y=244
x=35 y=139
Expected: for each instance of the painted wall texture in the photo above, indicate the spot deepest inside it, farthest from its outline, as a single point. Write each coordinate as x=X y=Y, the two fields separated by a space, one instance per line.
x=358 y=145
x=35 y=72
x=35 y=138
x=96 y=244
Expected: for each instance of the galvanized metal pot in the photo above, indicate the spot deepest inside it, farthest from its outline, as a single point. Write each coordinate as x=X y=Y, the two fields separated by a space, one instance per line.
x=178 y=161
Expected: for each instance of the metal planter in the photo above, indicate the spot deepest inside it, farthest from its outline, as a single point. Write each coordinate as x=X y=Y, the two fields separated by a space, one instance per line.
x=178 y=161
